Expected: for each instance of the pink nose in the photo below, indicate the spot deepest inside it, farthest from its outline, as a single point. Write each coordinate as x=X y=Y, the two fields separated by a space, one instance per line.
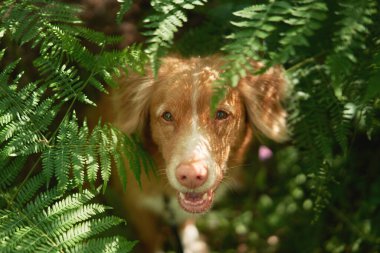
x=191 y=175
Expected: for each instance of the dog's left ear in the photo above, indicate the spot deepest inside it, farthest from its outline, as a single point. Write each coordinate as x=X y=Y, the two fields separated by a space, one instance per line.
x=262 y=96
x=131 y=102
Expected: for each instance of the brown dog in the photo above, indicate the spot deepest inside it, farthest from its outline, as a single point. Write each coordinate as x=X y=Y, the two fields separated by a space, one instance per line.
x=192 y=148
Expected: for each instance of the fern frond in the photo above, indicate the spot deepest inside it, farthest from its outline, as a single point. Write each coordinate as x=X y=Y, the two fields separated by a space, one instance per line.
x=354 y=19
x=305 y=18
x=125 y=5
x=78 y=233
x=97 y=38
x=27 y=21
x=68 y=155
x=324 y=116
x=373 y=89
x=54 y=28
x=41 y=201
x=30 y=188
x=320 y=125
x=64 y=80
x=26 y=116
x=9 y=170
x=135 y=58
x=106 y=244
x=320 y=181
x=163 y=25
x=53 y=222
x=71 y=216
x=292 y=21
x=105 y=157
x=269 y=33
x=91 y=155
x=73 y=150
x=78 y=152
x=134 y=146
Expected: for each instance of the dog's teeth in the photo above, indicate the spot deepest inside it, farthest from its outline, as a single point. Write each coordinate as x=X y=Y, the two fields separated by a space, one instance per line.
x=182 y=196
x=205 y=196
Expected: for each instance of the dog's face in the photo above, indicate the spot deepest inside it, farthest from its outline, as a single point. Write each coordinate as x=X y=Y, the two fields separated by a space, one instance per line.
x=195 y=143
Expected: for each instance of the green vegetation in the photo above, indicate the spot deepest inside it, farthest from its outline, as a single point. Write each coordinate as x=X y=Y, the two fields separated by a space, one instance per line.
x=319 y=193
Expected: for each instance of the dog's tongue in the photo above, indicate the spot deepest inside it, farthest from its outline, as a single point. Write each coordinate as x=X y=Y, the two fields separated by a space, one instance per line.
x=195 y=202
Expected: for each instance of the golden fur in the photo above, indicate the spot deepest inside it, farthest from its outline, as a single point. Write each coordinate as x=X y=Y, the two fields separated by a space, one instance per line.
x=183 y=87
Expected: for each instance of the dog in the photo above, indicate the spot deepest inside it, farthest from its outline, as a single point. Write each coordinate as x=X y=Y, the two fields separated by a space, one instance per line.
x=192 y=147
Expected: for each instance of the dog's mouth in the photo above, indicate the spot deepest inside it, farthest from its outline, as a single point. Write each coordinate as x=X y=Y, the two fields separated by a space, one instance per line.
x=195 y=202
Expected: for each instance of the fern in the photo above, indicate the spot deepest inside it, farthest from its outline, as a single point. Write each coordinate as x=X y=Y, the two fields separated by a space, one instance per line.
x=132 y=146
x=304 y=19
x=319 y=123
x=163 y=25
x=125 y=5
x=354 y=19
x=26 y=116
x=76 y=149
x=53 y=222
x=38 y=134
x=10 y=169
x=289 y=23
x=54 y=28
x=373 y=89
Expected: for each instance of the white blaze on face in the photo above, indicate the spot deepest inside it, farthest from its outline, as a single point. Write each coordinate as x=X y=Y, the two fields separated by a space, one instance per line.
x=193 y=146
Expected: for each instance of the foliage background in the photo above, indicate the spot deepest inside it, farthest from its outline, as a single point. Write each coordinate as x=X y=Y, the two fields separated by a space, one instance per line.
x=319 y=192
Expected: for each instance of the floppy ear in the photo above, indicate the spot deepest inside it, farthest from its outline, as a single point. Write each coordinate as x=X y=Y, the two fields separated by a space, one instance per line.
x=262 y=96
x=131 y=102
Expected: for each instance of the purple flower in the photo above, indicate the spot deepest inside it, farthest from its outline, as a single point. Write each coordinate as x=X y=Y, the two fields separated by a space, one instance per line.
x=265 y=153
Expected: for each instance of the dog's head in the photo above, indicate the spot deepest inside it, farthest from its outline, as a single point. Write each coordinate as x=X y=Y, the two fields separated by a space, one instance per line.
x=195 y=145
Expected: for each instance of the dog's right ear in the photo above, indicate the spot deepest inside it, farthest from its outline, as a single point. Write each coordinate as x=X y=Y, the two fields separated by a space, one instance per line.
x=131 y=101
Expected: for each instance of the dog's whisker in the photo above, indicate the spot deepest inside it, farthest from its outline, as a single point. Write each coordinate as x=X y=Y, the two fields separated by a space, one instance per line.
x=230 y=183
x=242 y=166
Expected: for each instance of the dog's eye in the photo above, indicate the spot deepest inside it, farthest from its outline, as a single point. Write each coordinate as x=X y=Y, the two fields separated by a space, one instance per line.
x=221 y=115
x=167 y=116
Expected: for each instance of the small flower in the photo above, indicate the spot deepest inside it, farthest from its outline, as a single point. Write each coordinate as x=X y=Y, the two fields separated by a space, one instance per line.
x=265 y=153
